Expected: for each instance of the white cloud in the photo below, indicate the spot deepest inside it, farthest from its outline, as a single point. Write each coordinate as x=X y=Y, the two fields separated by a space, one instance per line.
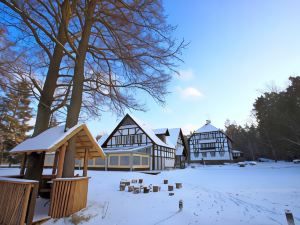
x=191 y=93
x=188 y=128
x=185 y=75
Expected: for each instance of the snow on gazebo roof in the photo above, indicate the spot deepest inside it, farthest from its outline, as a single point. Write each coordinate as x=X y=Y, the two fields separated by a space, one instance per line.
x=53 y=138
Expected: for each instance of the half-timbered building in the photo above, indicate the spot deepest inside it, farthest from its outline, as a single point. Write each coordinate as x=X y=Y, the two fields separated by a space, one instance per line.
x=209 y=144
x=175 y=138
x=132 y=145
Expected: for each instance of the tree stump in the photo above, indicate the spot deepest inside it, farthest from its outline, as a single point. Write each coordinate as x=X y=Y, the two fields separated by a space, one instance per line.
x=170 y=188
x=146 y=190
x=165 y=181
x=126 y=183
x=289 y=217
x=130 y=188
x=122 y=187
x=156 y=188
x=136 y=190
x=178 y=185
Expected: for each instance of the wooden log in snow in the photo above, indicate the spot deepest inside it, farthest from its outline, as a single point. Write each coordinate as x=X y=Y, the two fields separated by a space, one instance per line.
x=289 y=217
x=156 y=188
x=178 y=185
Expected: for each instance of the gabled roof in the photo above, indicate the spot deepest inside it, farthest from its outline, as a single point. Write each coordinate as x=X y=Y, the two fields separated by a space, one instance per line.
x=174 y=134
x=53 y=138
x=207 y=128
x=144 y=127
x=163 y=131
x=103 y=139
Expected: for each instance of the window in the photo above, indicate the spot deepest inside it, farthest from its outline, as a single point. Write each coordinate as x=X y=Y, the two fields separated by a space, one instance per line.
x=99 y=161
x=118 y=140
x=124 y=160
x=222 y=154
x=212 y=154
x=77 y=162
x=145 y=161
x=208 y=145
x=114 y=160
x=136 y=160
x=204 y=154
x=91 y=162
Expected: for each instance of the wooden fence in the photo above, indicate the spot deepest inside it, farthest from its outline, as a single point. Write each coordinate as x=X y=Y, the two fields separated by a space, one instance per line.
x=68 y=195
x=17 y=201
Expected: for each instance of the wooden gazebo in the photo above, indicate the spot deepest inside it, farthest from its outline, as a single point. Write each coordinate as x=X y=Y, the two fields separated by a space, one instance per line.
x=68 y=195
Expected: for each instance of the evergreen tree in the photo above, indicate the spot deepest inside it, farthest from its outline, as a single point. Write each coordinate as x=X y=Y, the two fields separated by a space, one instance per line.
x=15 y=115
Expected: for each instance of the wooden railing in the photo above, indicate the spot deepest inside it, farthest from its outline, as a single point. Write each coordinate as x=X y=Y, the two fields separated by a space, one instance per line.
x=68 y=195
x=17 y=201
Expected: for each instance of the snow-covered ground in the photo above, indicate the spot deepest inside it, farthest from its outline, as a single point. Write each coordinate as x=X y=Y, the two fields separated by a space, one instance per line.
x=224 y=195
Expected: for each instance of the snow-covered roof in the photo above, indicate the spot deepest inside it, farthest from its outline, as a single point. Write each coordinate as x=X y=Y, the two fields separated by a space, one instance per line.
x=179 y=150
x=174 y=134
x=53 y=138
x=149 y=132
x=103 y=139
x=164 y=131
x=207 y=128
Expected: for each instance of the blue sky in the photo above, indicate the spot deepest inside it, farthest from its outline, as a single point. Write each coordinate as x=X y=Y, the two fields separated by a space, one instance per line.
x=236 y=49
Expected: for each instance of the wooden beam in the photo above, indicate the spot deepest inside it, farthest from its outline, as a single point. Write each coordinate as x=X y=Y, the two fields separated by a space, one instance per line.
x=54 y=167
x=85 y=163
x=61 y=159
x=22 y=171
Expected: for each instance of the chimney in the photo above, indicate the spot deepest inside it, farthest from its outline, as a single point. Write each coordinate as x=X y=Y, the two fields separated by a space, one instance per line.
x=207 y=122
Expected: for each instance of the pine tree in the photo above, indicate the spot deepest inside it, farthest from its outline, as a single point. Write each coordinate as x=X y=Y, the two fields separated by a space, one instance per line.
x=14 y=119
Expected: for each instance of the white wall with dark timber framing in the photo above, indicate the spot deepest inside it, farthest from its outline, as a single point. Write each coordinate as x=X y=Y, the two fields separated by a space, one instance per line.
x=129 y=135
x=212 y=144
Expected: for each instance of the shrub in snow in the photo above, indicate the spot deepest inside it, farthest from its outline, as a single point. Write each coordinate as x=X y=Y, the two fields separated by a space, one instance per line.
x=296 y=161
x=242 y=164
x=252 y=163
x=264 y=160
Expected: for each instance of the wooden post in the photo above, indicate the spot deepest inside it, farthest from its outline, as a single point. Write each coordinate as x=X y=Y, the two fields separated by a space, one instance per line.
x=22 y=171
x=131 y=161
x=106 y=162
x=85 y=162
x=54 y=167
x=61 y=159
x=289 y=217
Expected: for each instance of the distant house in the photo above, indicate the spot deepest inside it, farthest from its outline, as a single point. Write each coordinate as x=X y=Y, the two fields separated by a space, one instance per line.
x=210 y=145
x=176 y=138
x=132 y=145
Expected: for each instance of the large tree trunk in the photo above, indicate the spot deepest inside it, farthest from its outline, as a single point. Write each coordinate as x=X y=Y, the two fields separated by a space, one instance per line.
x=76 y=98
x=36 y=161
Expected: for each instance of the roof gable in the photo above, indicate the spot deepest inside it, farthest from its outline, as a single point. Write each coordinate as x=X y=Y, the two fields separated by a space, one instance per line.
x=128 y=119
x=161 y=131
x=207 y=128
